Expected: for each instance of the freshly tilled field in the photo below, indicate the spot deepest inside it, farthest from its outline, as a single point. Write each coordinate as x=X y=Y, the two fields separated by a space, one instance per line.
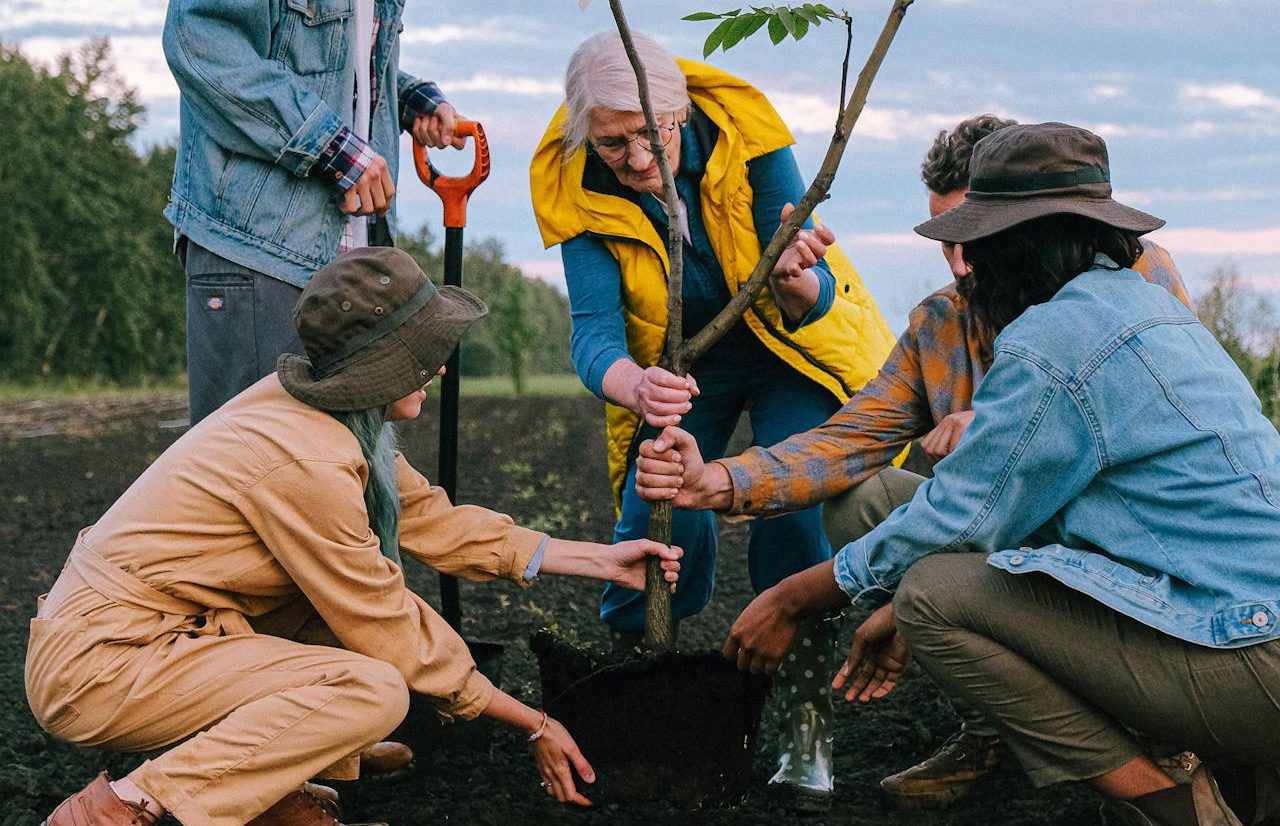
x=542 y=461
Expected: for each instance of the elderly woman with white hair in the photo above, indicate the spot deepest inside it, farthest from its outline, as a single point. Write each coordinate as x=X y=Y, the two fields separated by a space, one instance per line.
x=805 y=345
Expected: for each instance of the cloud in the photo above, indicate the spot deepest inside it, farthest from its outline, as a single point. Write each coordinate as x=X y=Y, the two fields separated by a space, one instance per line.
x=1107 y=91
x=1221 y=242
x=1262 y=281
x=490 y=31
x=506 y=84
x=100 y=14
x=815 y=114
x=1231 y=96
x=1225 y=194
x=884 y=239
x=139 y=58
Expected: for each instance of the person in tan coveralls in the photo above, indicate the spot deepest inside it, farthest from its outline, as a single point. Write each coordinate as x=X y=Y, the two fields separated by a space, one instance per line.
x=245 y=592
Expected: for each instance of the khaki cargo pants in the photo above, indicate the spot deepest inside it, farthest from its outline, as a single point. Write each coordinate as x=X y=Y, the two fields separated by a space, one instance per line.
x=261 y=710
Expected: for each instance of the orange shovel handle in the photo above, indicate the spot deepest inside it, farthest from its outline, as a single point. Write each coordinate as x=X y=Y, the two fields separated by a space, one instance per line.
x=454 y=192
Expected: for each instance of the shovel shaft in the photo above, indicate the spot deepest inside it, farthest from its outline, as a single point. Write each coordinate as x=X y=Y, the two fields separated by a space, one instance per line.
x=447 y=471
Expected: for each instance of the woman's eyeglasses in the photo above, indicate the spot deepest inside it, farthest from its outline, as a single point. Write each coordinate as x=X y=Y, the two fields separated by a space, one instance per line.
x=614 y=149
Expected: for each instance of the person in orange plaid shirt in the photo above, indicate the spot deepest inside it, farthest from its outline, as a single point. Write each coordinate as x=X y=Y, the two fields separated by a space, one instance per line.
x=924 y=391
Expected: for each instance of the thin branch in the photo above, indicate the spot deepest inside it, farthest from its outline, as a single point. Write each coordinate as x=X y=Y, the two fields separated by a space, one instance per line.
x=696 y=346
x=675 y=277
x=844 y=69
x=659 y=629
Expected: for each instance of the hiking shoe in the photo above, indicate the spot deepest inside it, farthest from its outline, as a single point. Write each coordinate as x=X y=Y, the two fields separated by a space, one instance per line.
x=947 y=775
x=97 y=805
x=303 y=808
x=384 y=759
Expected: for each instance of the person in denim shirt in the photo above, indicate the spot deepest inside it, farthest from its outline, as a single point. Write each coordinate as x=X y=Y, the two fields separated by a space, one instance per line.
x=290 y=117
x=1099 y=553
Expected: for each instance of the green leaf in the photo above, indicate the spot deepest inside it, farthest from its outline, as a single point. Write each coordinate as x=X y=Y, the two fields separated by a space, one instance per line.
x=808 y=14
x=701 y=15
x=776 y=30
x=717 y=35
x=743 y=27
x=801 y=28
x=828 y=12
x=788 y=22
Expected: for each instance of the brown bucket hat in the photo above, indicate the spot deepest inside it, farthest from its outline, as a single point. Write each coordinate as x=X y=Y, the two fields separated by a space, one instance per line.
x=1031 y=170
x=375 y=329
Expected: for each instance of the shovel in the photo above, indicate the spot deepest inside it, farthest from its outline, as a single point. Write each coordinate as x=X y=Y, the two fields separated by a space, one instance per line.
x=421 y=728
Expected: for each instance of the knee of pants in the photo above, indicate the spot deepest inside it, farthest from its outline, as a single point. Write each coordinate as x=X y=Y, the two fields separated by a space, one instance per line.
x=383 y=698
x=854 y=513
x=925 y=596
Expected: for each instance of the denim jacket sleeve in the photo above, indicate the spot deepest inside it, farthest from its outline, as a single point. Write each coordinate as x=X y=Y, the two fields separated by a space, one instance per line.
x=594 y=282
x=250 y=104
x=775 y=182
x=1029 y=450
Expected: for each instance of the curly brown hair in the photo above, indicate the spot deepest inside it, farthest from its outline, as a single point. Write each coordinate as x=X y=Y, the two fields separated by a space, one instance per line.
x=946 y=165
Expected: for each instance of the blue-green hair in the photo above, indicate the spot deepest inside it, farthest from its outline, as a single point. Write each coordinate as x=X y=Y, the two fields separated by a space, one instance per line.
x=377 y=440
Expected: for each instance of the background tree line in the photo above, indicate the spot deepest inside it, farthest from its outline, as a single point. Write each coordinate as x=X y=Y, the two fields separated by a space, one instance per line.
x=91 y=288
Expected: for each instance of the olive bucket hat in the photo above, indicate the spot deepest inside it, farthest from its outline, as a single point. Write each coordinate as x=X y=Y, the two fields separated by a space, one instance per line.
x=1027 y=171
x=375 y=329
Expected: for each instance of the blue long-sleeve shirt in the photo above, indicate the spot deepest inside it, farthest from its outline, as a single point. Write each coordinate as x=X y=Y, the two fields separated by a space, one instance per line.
x=594 y=278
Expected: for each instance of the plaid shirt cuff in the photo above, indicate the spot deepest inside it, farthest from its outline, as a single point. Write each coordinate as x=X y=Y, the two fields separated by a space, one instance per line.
x=743 y=500
x=345 y=159
x=418 y=100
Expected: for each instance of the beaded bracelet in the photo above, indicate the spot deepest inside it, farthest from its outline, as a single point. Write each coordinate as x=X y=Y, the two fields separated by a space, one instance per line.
x=542 y=729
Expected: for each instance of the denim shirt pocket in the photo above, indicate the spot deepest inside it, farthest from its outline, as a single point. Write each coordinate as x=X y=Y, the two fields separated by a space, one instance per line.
x=313 y=36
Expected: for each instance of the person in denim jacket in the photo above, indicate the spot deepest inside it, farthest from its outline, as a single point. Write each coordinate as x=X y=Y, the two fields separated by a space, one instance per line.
x=290 y=119
x=1098 y=555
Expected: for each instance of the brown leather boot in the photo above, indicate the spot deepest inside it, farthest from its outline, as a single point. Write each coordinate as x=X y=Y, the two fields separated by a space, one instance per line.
x=385 y=758
x=97 y=805
x=302 y=808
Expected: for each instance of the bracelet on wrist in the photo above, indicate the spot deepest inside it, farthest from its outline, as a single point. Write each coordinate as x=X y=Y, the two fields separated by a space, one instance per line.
x=542 y=728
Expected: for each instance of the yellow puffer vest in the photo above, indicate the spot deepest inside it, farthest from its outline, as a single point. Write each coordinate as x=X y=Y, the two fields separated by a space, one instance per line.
x=841 y=351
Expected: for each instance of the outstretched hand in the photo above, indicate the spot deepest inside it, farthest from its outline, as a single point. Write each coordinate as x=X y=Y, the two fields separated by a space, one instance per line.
x=627 y=562
x=761 y=635
x=876 y=660
x=554 y=753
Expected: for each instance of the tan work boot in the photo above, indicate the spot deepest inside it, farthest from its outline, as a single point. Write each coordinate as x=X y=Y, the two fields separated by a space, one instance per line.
x=303 y=808
x=385 y=758
x=947 y=775
x=97 y=805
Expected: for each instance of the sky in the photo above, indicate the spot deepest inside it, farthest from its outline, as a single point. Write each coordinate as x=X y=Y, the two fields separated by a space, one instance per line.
x=1185 y=92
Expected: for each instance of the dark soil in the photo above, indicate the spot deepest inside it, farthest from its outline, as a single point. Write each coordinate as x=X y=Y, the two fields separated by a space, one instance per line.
x=541 y=460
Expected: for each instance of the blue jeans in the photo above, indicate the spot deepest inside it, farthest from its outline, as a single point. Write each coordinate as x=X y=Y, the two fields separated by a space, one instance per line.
x=238 y=323
x=780 y=402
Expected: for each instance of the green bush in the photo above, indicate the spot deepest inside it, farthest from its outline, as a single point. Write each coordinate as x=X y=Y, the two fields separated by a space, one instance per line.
x=90 y=286
x=527 y=329
x=92 y=290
